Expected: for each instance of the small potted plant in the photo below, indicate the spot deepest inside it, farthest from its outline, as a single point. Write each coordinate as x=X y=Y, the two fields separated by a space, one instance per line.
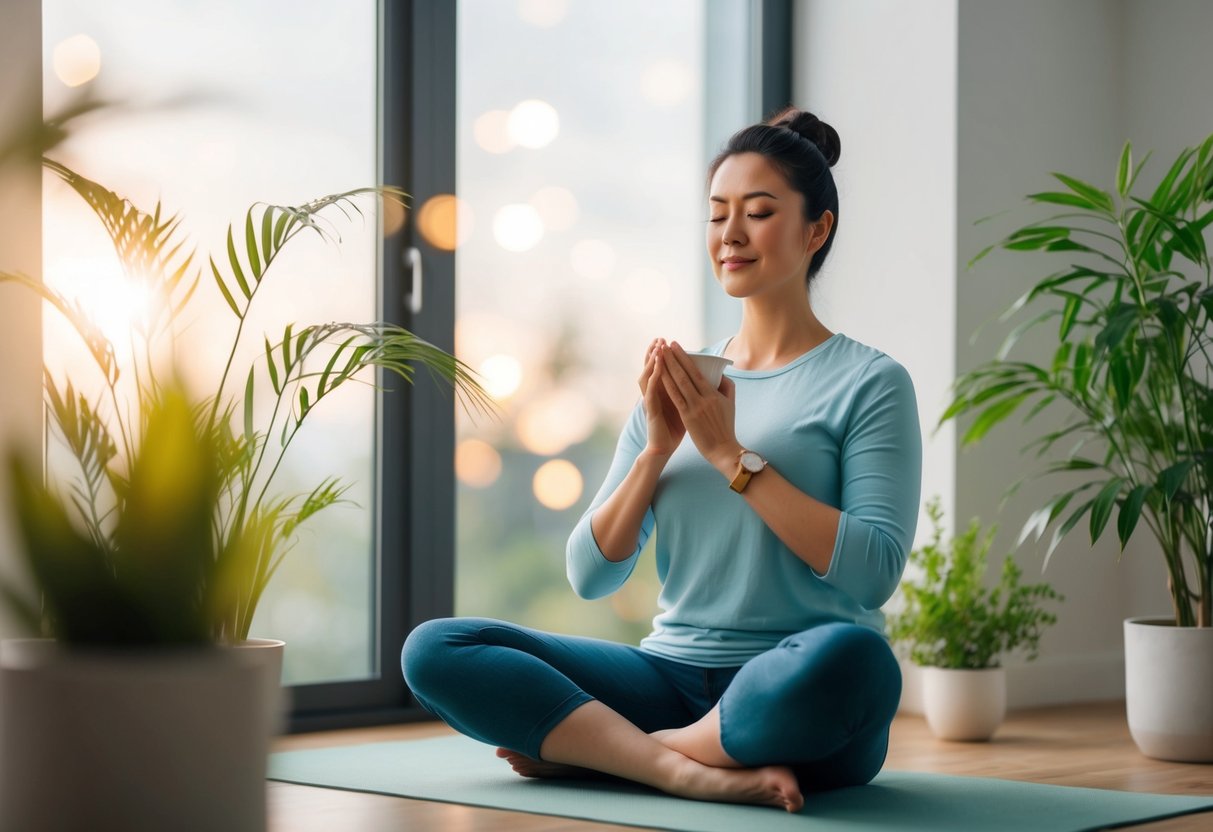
x=956 y=629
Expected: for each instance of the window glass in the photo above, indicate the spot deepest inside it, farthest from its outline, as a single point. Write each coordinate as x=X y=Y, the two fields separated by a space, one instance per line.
x=581 y=215
x=227 y=103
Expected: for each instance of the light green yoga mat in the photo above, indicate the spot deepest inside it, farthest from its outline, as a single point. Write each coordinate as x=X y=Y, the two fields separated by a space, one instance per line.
x=460 y=770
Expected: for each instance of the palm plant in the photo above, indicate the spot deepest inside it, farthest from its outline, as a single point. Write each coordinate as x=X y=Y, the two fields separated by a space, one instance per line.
x=251 y=527
x=1131 y=369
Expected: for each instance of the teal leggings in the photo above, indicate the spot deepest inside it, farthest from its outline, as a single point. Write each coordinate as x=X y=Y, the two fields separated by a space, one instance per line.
x=820 y=701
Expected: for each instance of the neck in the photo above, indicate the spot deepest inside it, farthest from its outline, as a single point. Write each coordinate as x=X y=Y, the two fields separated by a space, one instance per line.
x=775 y=331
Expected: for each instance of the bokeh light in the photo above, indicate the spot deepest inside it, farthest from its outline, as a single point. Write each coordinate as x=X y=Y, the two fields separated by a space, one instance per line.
x=557 y=207
x=477 y=463
x=501 y=375
x=445 y=221
x=542 y=13
x=77 y=60
x=557 y=484
x=666 y=83
x=533 y=123
x=592 y=259
x=393 y=217
x=517 y=227
x=556 y=420
x=492 y=131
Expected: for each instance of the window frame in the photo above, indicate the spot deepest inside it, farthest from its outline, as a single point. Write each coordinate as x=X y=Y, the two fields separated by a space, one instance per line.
x=415 y=424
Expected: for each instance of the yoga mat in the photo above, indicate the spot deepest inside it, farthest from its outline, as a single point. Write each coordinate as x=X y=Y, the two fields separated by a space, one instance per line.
x=460 y=770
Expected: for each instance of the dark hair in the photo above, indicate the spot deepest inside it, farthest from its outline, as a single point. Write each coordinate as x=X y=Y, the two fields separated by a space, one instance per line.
x=802 y=148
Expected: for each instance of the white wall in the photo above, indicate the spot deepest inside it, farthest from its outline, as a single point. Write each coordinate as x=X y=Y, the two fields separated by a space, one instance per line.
x=1039 y=91
x=951 y=111
x=20 y=250
x=883 y=74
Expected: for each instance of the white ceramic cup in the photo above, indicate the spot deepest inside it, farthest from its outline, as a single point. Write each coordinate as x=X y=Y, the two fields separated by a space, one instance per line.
x=711 y=366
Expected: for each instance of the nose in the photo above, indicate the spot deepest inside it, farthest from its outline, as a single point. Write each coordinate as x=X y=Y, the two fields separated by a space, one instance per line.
x=731 y=233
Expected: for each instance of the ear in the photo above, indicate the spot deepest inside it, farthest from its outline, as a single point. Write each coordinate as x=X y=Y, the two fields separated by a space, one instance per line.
x=819 y=232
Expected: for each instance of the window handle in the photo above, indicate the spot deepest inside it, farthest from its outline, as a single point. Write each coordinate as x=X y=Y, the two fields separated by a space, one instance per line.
x=413 y=300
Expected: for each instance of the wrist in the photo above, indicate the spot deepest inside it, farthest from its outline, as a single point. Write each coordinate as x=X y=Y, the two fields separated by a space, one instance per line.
x=725 y=460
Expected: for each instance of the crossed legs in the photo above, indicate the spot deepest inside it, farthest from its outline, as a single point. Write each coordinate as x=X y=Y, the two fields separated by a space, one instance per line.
x=554 y=702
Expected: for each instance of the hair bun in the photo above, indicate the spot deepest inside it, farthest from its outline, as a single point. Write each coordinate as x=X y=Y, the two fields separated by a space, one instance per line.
x=812 y=128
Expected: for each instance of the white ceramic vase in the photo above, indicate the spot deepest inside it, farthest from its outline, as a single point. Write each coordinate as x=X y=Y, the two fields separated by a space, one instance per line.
x=131 y=740
x=1169 y=689
x=966 y=705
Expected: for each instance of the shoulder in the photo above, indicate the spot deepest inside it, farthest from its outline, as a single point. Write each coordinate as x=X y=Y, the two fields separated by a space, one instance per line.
x=872 y=371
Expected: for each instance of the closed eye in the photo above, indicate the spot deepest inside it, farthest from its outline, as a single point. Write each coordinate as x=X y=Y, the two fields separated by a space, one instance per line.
x=752 y=216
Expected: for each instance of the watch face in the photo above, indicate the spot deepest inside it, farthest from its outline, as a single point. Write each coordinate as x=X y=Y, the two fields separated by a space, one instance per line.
x=752 y=462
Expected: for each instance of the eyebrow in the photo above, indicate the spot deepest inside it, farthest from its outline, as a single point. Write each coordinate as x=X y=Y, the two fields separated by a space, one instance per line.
x=750 y=195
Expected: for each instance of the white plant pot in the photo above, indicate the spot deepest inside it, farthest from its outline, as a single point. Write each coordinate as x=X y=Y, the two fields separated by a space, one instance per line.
x=131 y=740
x=267 y=654
x=964 y=704
x=1169 y=689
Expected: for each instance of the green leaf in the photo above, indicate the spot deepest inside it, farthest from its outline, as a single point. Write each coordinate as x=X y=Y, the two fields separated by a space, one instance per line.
x=1170 y=480
x=1121 y=373
x=227 y=296
x=269 y=362
x=1123 y=169
x=1098 y=199
x=1040 y=519
x=991 y=416
x=1059 y=198
x=1130 y=511
x=304 y=403
x=1065 y=527
x=286 y=349
x=328 y=368
x=1101 y=509
x=267 y=234
x=250 y=243
x=235 y=262
x=1027 y=239
x=248 y=406
x=1068 y=316
x=1082 y=367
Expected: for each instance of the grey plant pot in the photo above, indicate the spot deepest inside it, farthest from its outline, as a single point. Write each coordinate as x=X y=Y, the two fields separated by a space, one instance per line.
x=131 y=740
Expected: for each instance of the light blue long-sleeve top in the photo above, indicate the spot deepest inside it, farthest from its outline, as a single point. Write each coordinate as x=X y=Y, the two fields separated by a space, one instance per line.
x=841 y=424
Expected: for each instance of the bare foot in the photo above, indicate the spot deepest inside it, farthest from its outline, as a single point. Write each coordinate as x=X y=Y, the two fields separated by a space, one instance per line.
x=699 y=742
x=530 y=767
x=766 y=786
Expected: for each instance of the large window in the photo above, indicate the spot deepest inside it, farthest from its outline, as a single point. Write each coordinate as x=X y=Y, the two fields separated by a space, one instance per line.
x=554 y=153
x=584 y=130
x=227 y=104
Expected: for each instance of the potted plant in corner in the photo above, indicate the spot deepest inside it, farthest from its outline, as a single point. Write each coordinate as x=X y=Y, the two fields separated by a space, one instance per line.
x=131 y=717
x=957 y=630
x=126 y=586
x=1134 y=327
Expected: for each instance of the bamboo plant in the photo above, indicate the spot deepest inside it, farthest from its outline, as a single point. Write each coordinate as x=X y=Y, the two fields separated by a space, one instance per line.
x=1131 y=368
x=251 y=525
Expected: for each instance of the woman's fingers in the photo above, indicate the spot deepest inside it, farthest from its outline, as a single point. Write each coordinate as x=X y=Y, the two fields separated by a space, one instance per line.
x=682 y=369
x=650 y=357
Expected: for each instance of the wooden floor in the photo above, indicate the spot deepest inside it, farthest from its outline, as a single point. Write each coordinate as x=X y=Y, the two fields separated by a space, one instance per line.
x=1074 y=745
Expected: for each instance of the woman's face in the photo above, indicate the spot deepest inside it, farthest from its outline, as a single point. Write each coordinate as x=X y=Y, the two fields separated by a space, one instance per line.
x=756 y=216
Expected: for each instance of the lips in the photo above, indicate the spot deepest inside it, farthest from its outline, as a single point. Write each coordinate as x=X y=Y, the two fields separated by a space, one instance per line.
x=733 y=263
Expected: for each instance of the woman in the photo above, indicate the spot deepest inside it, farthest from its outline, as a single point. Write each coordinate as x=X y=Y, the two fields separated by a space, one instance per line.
x=784 y=502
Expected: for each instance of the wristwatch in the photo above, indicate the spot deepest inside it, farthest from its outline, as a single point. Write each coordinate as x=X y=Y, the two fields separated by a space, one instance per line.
x=748 y=464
